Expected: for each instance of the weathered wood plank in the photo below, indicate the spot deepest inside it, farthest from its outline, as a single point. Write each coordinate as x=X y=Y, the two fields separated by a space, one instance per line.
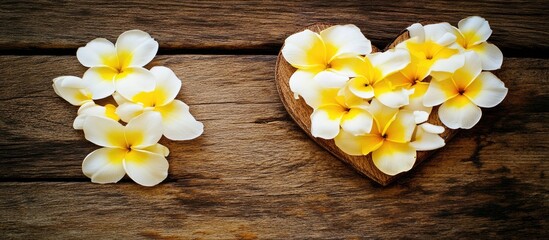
x=241 y=208
x=249 y=134
x=519 y=26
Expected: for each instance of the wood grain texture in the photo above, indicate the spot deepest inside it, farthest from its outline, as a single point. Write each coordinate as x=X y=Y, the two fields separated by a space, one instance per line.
x=519 y=26
x=255 y=174
x=301 y=112
x=236 y=208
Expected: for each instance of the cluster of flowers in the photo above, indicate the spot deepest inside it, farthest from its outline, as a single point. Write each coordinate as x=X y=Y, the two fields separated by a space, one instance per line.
x=379 y=103
x=146 y=102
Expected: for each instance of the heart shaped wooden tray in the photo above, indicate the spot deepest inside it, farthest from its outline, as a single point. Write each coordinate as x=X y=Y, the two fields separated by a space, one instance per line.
x=300 y=112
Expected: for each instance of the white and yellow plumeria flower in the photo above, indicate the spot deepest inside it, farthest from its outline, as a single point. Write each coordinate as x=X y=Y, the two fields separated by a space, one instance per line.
x=132 y=149
x=430 y=44
x=413 y=79
x=389 y=140
x=472 y=34
x=177 y=121
x=340 y=108
x=321 y=59
x=73 y=89
x=463 y=91
x=119 y=66
x=371 y=72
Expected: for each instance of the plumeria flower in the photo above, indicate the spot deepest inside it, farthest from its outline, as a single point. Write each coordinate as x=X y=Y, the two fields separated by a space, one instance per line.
x=472 y=34
x=321 y=58
x=413 y=79
x=371 y=72
x=177 y=121
x=73 y=89
x=119 y=67
x=428 y=45
x=132 y=149
x=340 y=108
x=388 y=141
x=462 y=92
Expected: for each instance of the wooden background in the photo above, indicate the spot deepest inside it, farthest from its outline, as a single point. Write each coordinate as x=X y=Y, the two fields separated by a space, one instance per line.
x=254 y=174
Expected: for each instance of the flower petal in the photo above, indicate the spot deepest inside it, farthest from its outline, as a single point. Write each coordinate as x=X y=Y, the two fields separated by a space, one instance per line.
x=430 y=128
x=357 y=121
x=420 y=116
x=357 y=145
x=92 y=109
x=127 y=111
x=104 y=165
x=350 y=100
x=345 y=41
x=178 y=123
x=167 y=85
x=100 y=81
x=133 y=81
x=471 y=69
x=490 y=55
x=438 y=92
x=135 y=48
x=371 y=143
x=325 y=121
x=393 y=98
x=475 y=30
x=486 y=90
x=99 y=52
x=72 y=82
x=390 y=61
x=382 y=114
x=394 y=158
x=416 y=31
x=459 y=112
x=349 y=67
x=402 y=128
x=361 y=87
x=440 y=33
x=305 y=50
x=78 y=122
x=444 y=68
x=158 y=149
x=426 y=141
x=416 y=98
x=104 y=132
x=146 y=168
x=401 y=79
x=119 y=99
x=349 y=143
x=302 y=84
x=330 y=79
x=144 y=130
x=72 y=89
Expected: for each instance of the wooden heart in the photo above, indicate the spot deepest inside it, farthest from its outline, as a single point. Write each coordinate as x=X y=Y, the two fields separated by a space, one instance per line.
x=300 y=112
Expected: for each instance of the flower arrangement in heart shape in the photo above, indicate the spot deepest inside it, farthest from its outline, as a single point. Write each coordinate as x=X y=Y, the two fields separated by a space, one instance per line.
x=379 y=103
x=146 y=102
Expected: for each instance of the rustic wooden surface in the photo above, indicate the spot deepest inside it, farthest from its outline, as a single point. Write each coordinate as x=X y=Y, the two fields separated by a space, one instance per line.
x=254 y=174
